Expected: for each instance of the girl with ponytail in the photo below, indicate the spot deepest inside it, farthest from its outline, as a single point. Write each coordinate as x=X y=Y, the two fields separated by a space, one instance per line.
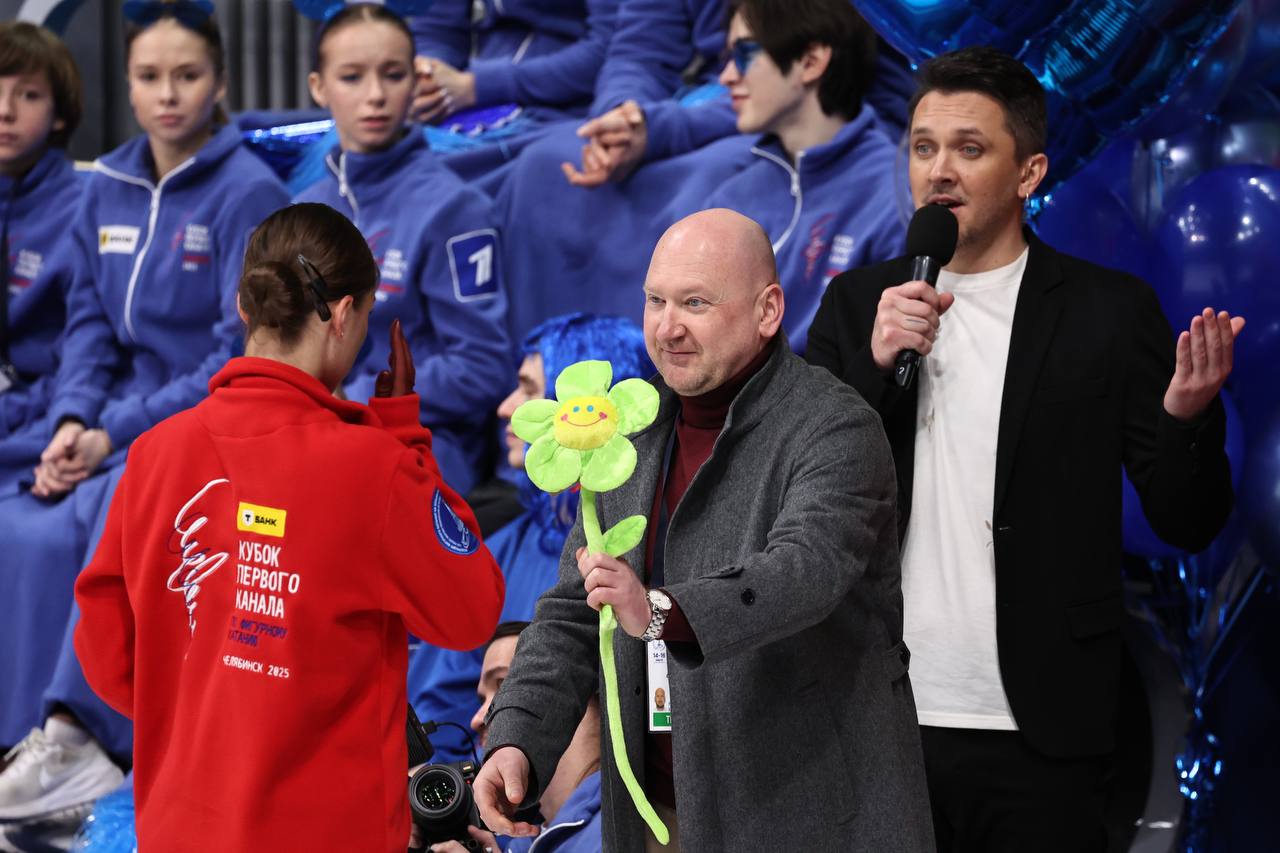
x=266 y=675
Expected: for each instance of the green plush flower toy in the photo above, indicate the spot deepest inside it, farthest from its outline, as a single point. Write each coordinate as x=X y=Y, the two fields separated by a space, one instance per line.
x=580 y=437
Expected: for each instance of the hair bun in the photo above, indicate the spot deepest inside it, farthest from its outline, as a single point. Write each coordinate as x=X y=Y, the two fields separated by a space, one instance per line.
x=271 y=293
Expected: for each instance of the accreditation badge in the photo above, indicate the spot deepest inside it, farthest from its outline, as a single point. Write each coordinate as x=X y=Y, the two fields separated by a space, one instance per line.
x=659 y=687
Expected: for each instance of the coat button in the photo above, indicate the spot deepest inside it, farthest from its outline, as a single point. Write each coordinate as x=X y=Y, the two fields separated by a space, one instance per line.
x=637 y=689
x=748 y=596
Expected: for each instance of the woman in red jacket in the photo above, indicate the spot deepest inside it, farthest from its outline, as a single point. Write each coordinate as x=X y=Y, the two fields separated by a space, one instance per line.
x=264 y=556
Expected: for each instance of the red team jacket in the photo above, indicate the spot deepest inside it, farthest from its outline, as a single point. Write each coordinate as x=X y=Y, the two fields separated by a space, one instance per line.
x=264 y=556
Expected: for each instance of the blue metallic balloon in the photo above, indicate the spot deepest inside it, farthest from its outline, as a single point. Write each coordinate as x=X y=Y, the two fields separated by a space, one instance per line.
x=1263 y=59
x=1105 y=64
x=1219 y=246
x=1087 y=215
x=1207 y=83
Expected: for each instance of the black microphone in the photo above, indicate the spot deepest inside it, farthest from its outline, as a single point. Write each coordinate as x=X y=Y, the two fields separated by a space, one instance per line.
x=931 y=242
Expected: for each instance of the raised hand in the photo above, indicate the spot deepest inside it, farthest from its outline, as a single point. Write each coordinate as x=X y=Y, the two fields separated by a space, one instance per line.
x=1204 y=358
x=400 y=379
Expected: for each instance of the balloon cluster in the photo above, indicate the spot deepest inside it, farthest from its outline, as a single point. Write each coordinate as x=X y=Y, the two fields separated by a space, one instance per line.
x=1105 y=64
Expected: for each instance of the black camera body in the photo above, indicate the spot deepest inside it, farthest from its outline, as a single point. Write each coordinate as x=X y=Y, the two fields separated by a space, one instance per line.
x=442 y=805
x=440 y=797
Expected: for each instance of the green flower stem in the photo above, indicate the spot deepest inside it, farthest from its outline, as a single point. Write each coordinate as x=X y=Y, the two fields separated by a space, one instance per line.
x=595 y=545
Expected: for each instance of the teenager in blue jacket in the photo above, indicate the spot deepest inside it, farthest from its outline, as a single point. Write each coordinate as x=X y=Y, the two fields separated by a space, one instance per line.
x=442 y=683
x=432 y=235
x=815 y=170
x=156 y=250
x=40 y=104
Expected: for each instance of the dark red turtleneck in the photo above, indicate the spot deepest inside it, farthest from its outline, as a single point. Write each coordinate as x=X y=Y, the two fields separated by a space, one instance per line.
x=698 y=425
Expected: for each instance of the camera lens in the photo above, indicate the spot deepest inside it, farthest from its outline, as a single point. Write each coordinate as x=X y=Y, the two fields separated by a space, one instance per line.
x=437 y=792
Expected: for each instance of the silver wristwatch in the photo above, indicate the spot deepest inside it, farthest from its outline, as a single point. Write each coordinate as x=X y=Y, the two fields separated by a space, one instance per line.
x=659 y=607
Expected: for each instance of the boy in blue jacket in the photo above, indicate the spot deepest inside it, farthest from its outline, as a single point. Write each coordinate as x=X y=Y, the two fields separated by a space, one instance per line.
x=817 y=172
x=432 y=235
x=40 y=104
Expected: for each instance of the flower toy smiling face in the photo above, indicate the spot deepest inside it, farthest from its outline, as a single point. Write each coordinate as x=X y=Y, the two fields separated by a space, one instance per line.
x=580 y=436
x=585 y=423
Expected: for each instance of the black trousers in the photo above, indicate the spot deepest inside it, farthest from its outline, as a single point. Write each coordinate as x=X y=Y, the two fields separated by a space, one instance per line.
x=991 y=793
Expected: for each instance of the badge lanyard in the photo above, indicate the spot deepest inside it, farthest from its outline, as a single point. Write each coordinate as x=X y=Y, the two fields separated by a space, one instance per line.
x=659 y=701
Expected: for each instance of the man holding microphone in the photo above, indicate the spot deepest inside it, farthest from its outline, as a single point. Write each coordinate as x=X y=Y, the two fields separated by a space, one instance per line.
x=770 y=571
x=1042 y=375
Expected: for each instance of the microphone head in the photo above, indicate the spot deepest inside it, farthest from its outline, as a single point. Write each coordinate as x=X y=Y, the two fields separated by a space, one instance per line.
x=933 y=233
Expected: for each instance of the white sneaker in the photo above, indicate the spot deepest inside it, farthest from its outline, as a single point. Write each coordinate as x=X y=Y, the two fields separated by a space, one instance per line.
x=46 y=776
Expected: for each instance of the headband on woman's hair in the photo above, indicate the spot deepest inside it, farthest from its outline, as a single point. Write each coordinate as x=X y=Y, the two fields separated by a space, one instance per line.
x=192 y=14
x=323 y=10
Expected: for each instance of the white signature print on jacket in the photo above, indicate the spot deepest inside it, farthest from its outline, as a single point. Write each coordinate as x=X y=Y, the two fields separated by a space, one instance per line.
x=198 y=563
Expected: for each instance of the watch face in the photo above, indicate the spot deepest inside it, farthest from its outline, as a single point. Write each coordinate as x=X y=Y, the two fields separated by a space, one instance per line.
x=660 y=599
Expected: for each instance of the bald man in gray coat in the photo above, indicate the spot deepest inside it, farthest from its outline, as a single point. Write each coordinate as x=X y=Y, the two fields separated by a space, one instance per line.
x=777 y=593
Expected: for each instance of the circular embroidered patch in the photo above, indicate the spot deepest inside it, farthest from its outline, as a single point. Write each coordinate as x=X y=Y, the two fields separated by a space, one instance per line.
x=452 y=533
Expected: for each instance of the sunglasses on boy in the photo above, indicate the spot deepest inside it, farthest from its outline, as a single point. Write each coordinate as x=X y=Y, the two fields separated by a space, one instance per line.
x=743 y=52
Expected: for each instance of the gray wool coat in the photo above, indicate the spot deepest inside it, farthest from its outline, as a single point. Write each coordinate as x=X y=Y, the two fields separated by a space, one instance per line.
x=795 y=726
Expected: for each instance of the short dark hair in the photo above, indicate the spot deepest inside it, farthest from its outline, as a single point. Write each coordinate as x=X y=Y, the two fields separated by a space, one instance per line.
x=28 y=49
x=351 y=14
x=507 y=629
x=273 y=289
x=1000 y=77
x=787 y=28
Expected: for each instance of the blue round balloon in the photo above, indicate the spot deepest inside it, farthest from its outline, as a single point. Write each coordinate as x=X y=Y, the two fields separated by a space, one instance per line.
x=1087 y=215
x=1219 y=246
x=1138 y=536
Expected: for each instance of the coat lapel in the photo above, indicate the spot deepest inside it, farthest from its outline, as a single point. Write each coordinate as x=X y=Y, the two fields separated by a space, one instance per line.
x=635 y=496
x=1035 y=317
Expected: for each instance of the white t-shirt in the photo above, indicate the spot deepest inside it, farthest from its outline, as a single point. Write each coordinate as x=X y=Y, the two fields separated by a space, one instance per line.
x=948 y=558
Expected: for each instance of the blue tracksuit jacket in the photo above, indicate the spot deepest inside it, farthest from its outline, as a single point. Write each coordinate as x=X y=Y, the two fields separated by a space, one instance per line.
x=541 y=54
x=840 y=205
x=155 y=265
x=654 y=43
x=435 y=241
x=657 y=40
x=835 y=209
x=574 y=829
x=35 y=209
x=153 y=271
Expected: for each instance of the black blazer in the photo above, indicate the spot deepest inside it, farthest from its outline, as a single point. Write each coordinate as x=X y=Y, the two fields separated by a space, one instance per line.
x=1090 y=357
